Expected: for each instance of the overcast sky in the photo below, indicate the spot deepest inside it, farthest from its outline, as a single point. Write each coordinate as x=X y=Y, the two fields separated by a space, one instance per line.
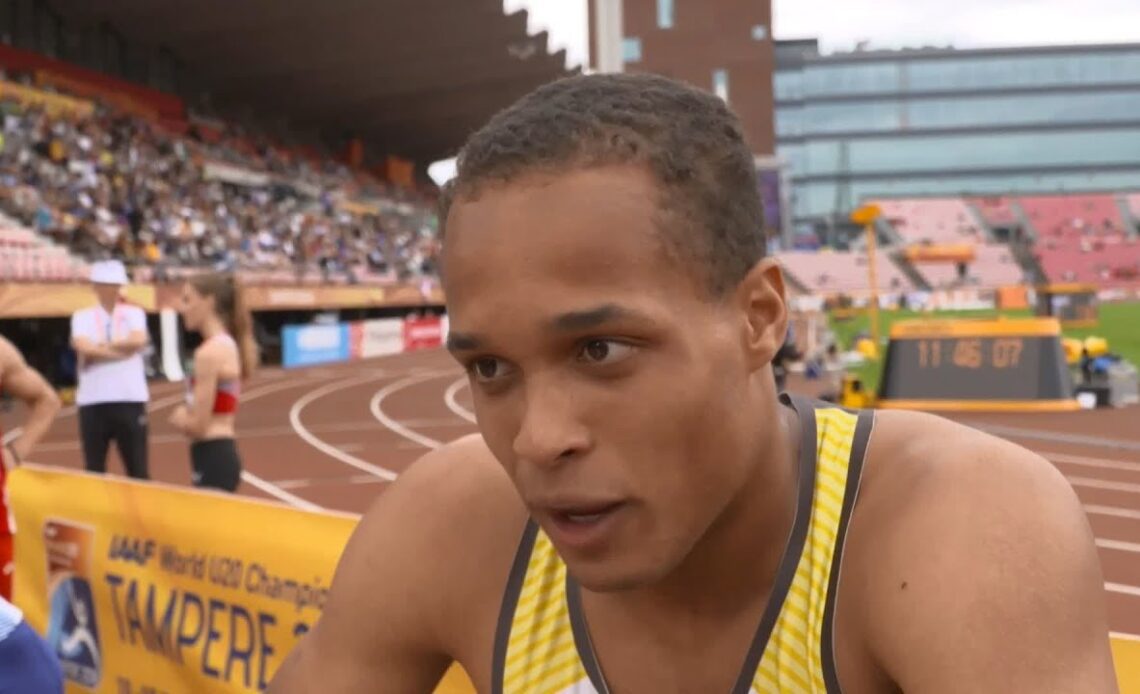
x=839 y=24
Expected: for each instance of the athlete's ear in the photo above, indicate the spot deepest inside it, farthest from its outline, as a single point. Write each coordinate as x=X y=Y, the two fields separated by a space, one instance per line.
x=761 y=297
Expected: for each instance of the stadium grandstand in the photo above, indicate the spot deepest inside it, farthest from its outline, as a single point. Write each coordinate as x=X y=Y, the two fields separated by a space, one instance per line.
x=97 y=166
x=1010 y=240
x=135 y=132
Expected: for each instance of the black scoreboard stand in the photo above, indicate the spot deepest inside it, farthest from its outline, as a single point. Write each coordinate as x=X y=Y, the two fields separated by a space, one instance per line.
x=1074 y=305
x=1004 y=365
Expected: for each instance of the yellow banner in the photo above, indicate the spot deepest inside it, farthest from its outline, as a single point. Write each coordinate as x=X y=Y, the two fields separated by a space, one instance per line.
x=145 y=587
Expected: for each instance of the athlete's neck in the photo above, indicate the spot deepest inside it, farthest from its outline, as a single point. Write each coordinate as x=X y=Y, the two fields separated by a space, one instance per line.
x=211 y=328
x=108 y=306
x=735 y=563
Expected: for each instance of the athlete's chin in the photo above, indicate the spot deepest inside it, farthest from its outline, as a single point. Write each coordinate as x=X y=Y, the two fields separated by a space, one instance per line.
x=617 y=572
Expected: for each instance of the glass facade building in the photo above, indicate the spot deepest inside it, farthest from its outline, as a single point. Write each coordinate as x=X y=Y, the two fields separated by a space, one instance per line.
x=945 y=122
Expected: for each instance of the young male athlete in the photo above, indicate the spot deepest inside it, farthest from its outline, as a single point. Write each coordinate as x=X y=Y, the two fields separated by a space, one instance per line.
x=643 y=512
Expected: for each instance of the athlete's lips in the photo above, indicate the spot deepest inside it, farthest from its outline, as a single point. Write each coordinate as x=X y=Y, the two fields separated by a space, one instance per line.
x=580 y=523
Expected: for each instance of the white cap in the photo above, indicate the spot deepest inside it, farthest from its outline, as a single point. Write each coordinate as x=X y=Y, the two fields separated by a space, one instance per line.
x=108 y=272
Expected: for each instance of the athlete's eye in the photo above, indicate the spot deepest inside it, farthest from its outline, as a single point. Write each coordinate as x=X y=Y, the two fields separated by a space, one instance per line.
x=599 y=351
x=486 y=369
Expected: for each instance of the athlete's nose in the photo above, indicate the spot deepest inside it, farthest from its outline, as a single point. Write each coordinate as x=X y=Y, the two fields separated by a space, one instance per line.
x=550 y=432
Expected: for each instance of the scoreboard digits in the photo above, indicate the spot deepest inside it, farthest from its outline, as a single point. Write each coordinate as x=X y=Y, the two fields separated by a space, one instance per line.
x=1016 y=363
x=971 y=353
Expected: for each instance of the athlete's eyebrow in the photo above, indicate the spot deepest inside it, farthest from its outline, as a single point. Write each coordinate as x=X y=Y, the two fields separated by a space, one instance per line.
x=593 y=317
x=462 y=342
x=571 y=321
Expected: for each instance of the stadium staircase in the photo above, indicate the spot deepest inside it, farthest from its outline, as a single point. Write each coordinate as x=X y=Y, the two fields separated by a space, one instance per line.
x=1023 y=253
x=794 y=282
x=907 y=268
x=1130 y=213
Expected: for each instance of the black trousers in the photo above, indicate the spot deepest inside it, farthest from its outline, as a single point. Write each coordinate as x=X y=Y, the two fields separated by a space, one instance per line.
x=125 y=423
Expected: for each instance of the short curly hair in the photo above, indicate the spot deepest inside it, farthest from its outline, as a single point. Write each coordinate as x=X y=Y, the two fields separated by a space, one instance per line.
x=688 y=139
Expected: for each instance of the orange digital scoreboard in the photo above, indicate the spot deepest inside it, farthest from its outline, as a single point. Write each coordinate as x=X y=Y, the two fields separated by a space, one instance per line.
x=977 y=365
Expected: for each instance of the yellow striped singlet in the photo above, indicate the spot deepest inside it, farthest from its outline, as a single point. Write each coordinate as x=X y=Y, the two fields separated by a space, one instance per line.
x=542 y=643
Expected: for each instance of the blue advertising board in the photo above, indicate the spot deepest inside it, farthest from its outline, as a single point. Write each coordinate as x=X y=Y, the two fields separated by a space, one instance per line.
x=305 y=345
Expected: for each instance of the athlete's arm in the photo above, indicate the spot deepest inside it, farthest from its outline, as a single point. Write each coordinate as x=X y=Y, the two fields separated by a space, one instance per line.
x=195 y=420
x=992 y=580
x=411 y=585
x=25 y=383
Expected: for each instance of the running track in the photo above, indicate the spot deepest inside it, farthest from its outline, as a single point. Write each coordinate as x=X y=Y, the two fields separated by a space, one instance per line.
x=333 y=437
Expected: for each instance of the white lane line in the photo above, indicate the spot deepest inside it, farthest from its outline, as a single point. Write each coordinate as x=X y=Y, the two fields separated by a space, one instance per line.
x=276 y=491
x=318 y=481
x=1093 y=483
x=1115 y=511
x=377 y=407
x=453 y=404
x=434 y=423
x=1120 y=545
x=332 y=451
x=1088 y=461
x=1122 y=589
x=1121 y=636
x=1058 y=436
x=11 y=435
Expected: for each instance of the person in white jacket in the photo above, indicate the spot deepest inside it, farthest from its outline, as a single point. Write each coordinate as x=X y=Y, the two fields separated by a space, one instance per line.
x=109 y=339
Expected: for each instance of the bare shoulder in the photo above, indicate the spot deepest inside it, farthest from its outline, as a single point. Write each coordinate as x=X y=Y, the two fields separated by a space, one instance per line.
x=453 y=520
x=979 y=550
x=420 y=580
x=10 y=357
x=212 y=351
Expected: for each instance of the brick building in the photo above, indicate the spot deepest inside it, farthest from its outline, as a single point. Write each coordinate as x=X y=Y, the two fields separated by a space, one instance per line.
x=724 y=46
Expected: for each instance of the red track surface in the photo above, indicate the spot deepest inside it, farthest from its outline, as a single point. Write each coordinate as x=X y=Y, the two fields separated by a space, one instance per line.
x=333 y=436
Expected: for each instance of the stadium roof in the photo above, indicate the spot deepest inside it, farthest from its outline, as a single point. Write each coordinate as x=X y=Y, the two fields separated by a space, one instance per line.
x=410 y=77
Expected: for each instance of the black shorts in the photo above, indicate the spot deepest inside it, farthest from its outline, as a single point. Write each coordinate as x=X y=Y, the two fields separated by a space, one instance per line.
x=216 y=464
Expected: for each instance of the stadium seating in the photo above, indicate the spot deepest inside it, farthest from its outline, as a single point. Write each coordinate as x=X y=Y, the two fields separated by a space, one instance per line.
x=831 y=272
x=1107 y=262
x=1073 y=216
x=931 y=220
x=993 y=266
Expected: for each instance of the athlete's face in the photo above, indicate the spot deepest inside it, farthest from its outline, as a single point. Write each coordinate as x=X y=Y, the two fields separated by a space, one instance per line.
x=195 y=307
x=626 y=404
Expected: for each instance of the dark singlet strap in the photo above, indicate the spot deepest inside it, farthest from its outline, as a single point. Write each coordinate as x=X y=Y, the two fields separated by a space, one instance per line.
x=510 y=602
x=863 y=428
x=582 y=641
x=787 y=571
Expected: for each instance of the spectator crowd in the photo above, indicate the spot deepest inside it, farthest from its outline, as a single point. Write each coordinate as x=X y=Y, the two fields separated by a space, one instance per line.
x=112 y=185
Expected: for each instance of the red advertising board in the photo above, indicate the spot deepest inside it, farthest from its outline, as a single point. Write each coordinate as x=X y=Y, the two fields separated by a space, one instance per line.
x=422 y=333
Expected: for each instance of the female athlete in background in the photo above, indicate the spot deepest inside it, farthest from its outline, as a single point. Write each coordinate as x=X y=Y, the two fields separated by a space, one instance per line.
x=212 y=307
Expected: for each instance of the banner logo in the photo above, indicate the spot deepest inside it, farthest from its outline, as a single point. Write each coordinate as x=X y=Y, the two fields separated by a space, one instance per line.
x=73 y=627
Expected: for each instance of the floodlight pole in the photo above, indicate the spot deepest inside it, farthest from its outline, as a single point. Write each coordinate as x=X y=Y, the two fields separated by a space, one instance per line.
x=866 y=216
x=874 y=280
